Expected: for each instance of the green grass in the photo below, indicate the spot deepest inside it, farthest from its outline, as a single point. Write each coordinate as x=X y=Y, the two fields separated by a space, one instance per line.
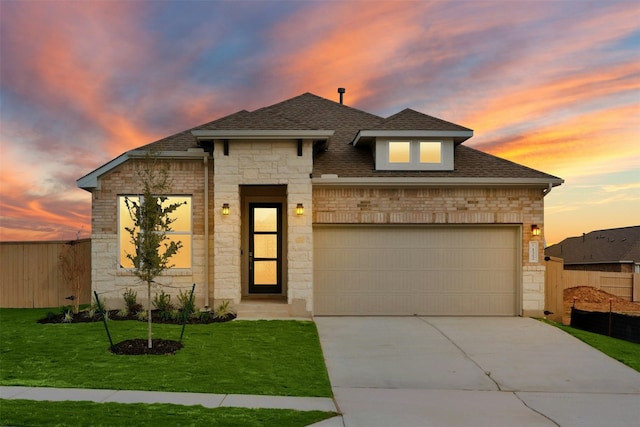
x=621 y=350
x=26 y=412
x=281 y=358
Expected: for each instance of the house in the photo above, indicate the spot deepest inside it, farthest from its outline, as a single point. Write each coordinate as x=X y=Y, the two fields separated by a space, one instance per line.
x=337 y=212
x=612 y=250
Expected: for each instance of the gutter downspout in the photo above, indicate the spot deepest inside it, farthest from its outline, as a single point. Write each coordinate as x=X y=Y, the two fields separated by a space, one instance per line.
x=544 y=194
x=206 y=229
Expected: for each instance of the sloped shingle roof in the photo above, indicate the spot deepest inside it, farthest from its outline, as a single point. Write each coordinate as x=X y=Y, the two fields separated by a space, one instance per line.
x=601 y=246
x=311 y=112
x=409 y=119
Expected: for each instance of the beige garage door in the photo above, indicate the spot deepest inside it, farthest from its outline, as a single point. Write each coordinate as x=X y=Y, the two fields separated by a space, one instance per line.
x=396 y=270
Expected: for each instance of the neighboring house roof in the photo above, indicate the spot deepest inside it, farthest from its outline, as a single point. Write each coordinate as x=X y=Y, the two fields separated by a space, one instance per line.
x=613 y=246
x=343 y=126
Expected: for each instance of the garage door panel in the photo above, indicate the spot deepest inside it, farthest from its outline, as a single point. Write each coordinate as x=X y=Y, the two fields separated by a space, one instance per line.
x=415 y=270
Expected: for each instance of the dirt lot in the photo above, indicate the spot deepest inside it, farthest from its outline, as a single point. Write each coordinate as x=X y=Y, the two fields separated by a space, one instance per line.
x=592 y=299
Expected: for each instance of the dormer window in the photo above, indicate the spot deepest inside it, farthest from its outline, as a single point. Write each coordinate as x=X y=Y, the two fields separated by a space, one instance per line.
x=414 y=154
x=399 y=152
x=412 y=141
x=430 y=152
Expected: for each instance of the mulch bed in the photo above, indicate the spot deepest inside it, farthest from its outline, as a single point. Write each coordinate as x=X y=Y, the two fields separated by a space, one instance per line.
x=137 y=346
x=141 y=346
x=83 y=317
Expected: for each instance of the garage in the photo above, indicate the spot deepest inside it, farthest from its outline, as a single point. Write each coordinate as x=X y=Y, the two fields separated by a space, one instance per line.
x=423 y=270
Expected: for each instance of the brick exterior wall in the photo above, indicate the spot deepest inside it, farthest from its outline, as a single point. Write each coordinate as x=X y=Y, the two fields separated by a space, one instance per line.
x=187 y=179
x=444 y=205
x=277 y=163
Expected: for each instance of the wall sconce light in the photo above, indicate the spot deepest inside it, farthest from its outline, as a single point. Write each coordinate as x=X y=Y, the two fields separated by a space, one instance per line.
x=299 y=209
x=225 y=209
x=535 y=230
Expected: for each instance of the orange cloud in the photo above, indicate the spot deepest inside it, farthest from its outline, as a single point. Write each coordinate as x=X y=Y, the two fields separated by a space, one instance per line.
x=598 y=142
x=345 y=44
x=548 y=100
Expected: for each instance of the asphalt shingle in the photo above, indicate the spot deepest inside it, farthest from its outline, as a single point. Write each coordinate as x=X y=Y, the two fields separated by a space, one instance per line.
x=601 y=246
x=311 y=112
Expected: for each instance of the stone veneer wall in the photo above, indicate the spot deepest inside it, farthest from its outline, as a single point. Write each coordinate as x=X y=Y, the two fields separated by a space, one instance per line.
x=107 y=278
x=445 y=205
x=263 y=163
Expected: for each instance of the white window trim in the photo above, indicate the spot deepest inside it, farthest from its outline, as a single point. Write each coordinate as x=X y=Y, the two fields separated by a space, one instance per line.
x=381 y=154
x=177 y=271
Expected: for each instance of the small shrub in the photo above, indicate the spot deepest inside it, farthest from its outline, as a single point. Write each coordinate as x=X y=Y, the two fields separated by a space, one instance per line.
x=162 y=302
x=123 y=312
x=185 y=304
x=142 y=315
x=131 y=301
x=93 y=308
x=223 y=310
x=94 y=304
x=165 y=316
x=68 y=317
x=204 y=315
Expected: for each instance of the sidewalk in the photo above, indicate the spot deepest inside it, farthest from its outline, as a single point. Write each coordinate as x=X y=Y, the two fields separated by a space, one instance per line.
x=205 y=399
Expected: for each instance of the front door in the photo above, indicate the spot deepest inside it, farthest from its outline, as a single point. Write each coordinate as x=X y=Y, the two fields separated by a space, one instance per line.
x=265 y=248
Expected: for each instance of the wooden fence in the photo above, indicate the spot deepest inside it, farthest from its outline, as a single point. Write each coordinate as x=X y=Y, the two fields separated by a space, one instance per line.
x=32 y=274
x=557 y=279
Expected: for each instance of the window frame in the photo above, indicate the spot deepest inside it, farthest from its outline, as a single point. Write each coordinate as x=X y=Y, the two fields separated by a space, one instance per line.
x=382 y=153
x=120 y=229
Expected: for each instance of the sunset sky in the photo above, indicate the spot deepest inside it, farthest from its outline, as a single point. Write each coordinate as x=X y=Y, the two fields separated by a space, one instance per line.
x=553 y=85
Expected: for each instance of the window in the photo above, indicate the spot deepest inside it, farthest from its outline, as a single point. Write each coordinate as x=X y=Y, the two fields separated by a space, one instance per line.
x=399 y=152
x=181 y=231
x=414 y=155
x=430 y=152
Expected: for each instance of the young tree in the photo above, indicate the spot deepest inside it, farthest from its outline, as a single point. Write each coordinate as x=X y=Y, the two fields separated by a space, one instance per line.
x=151 y=221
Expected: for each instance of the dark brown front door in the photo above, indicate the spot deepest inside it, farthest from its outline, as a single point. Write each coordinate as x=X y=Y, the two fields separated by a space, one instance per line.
x=265 y=248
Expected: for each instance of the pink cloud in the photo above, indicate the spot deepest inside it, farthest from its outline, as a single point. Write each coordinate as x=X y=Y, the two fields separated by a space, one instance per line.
x=594 y=143
x=537 y=81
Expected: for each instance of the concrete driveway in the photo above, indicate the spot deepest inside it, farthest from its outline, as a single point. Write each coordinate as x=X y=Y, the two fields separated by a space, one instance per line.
x=445 y=371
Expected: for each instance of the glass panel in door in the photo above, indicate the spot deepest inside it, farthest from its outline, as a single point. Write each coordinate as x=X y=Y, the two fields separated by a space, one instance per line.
x=265 y=248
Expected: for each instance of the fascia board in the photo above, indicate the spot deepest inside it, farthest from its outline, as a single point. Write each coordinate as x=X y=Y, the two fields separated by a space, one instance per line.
x=458 y=135
x=262 y=134
x=191 y=153
x=435 y=182
x=90 y=181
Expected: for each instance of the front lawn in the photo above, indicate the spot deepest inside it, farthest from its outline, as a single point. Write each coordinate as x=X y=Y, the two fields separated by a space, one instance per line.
x=27 y=412
x=621 y=350
x=277 y=357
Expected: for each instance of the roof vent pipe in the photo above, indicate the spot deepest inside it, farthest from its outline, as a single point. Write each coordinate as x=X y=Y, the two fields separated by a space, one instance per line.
x=341 y=92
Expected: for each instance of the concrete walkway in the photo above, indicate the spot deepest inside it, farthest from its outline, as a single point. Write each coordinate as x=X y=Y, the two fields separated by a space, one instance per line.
x=426 y=371
x=205 y=399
